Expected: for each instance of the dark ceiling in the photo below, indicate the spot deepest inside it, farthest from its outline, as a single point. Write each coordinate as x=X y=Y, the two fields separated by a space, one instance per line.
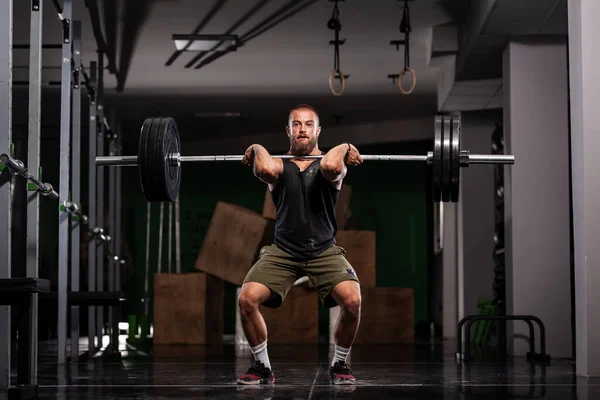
x=285 y=59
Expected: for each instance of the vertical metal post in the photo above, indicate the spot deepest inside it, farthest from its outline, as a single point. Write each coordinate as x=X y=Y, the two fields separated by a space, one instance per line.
x=33 y=163
x=160 y=237
x=110 y=227
x=6 y=36
x=64 y=191
x=91 y=212
x=146 y=299
x=117 y=235
x=118 y=205
x=100 y=259
x=177 y=238
x=76 y=186
x=170 y=239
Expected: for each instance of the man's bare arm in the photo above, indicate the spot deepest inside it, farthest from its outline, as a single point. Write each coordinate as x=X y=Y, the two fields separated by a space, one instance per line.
x=333 y=164
x=265 y=167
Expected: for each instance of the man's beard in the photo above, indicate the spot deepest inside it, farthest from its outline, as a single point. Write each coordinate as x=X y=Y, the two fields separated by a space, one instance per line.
x=303 y=148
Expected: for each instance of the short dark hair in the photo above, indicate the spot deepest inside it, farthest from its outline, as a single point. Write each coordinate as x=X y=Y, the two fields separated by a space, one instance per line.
x=307 y=106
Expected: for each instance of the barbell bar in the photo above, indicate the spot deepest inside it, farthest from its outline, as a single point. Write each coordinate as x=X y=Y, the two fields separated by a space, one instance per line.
x=175 y=158
x=159 y=159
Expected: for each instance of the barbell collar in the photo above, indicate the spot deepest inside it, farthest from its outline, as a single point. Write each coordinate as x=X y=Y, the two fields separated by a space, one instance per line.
x=491 y=159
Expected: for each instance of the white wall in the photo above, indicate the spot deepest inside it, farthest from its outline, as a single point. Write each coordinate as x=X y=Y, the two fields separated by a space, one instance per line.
x=584 y=59
x=536 y=123
x=477 y=198
x=450 y=269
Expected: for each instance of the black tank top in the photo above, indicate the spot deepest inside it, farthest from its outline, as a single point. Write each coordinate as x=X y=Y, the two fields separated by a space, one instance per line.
x=305 y=203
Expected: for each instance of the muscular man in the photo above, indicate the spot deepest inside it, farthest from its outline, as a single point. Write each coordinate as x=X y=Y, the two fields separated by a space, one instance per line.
x=305 y=193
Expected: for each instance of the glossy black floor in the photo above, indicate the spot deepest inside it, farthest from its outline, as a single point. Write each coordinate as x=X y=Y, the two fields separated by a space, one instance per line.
x=383 y=372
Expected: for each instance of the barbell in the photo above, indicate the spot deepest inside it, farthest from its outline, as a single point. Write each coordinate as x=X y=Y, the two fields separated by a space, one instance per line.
x=159 y=159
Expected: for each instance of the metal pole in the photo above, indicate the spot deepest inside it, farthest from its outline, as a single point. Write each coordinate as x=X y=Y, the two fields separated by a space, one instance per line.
x=119 y=161
x=177 y=237
x=160 y=236
x=170 y=238
x=491 y=159
x=100 y=260
x=110 y=218
x=6 y=37
x=33 y=161
x=92 y=209
x=76 y=188
x=116 y=230
x=147 y=274
x=65 y=164
x=118 y=205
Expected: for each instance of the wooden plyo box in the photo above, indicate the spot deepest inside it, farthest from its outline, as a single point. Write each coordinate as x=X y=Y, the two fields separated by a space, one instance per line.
x=232 y=243
x=296 y=321
x=387 y=317
x=188 y=309
x=360 y=249
x=341 y=209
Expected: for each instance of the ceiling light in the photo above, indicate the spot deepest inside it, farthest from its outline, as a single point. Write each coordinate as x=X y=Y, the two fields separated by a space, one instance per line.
x=205 y=114
x=205 y=42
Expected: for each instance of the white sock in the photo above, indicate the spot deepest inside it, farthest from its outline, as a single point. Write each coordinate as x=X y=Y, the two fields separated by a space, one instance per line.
x=340 y=354
x=260 y=354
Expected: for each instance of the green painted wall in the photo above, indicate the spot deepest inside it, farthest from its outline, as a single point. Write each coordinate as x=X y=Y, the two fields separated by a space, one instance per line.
x=388 y=197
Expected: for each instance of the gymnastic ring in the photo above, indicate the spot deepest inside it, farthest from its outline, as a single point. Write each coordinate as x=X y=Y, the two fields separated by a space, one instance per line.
x=342 y=81
x=414 y=81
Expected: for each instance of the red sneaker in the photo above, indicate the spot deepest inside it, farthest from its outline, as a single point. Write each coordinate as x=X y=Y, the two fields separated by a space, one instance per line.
x=341 y=374
x=257 y=374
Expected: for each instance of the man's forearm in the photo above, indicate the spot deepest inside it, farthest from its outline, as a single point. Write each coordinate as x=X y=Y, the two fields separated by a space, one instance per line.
x=264 y=165
x=332 y=164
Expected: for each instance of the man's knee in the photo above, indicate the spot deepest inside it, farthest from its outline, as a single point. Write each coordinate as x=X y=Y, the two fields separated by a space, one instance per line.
x=251 y=297
x=350 y=305
x=247 y=303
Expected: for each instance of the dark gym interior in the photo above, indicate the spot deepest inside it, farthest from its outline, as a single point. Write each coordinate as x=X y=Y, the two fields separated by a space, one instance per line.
x=476 y=261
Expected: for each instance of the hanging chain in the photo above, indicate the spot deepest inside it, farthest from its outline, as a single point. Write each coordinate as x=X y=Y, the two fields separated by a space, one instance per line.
x=335 y=25
x=406 y=28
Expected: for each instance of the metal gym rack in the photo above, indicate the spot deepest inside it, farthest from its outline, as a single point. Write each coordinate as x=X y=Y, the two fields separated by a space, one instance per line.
x=22 y=293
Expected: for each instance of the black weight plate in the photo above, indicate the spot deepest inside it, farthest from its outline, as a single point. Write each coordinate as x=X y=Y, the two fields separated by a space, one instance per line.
x=437 y=159
x=446 y=160
x=160 y=178
x=170 y=175
x=156 y=165
x=143 y=159
x=455 y=159
x=153 y=169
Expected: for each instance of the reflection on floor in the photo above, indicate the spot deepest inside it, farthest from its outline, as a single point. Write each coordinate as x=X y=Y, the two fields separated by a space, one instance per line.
x=383 y=372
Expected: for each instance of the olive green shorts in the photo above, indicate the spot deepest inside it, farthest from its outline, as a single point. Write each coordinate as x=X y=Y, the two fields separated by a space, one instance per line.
x=279 y=270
